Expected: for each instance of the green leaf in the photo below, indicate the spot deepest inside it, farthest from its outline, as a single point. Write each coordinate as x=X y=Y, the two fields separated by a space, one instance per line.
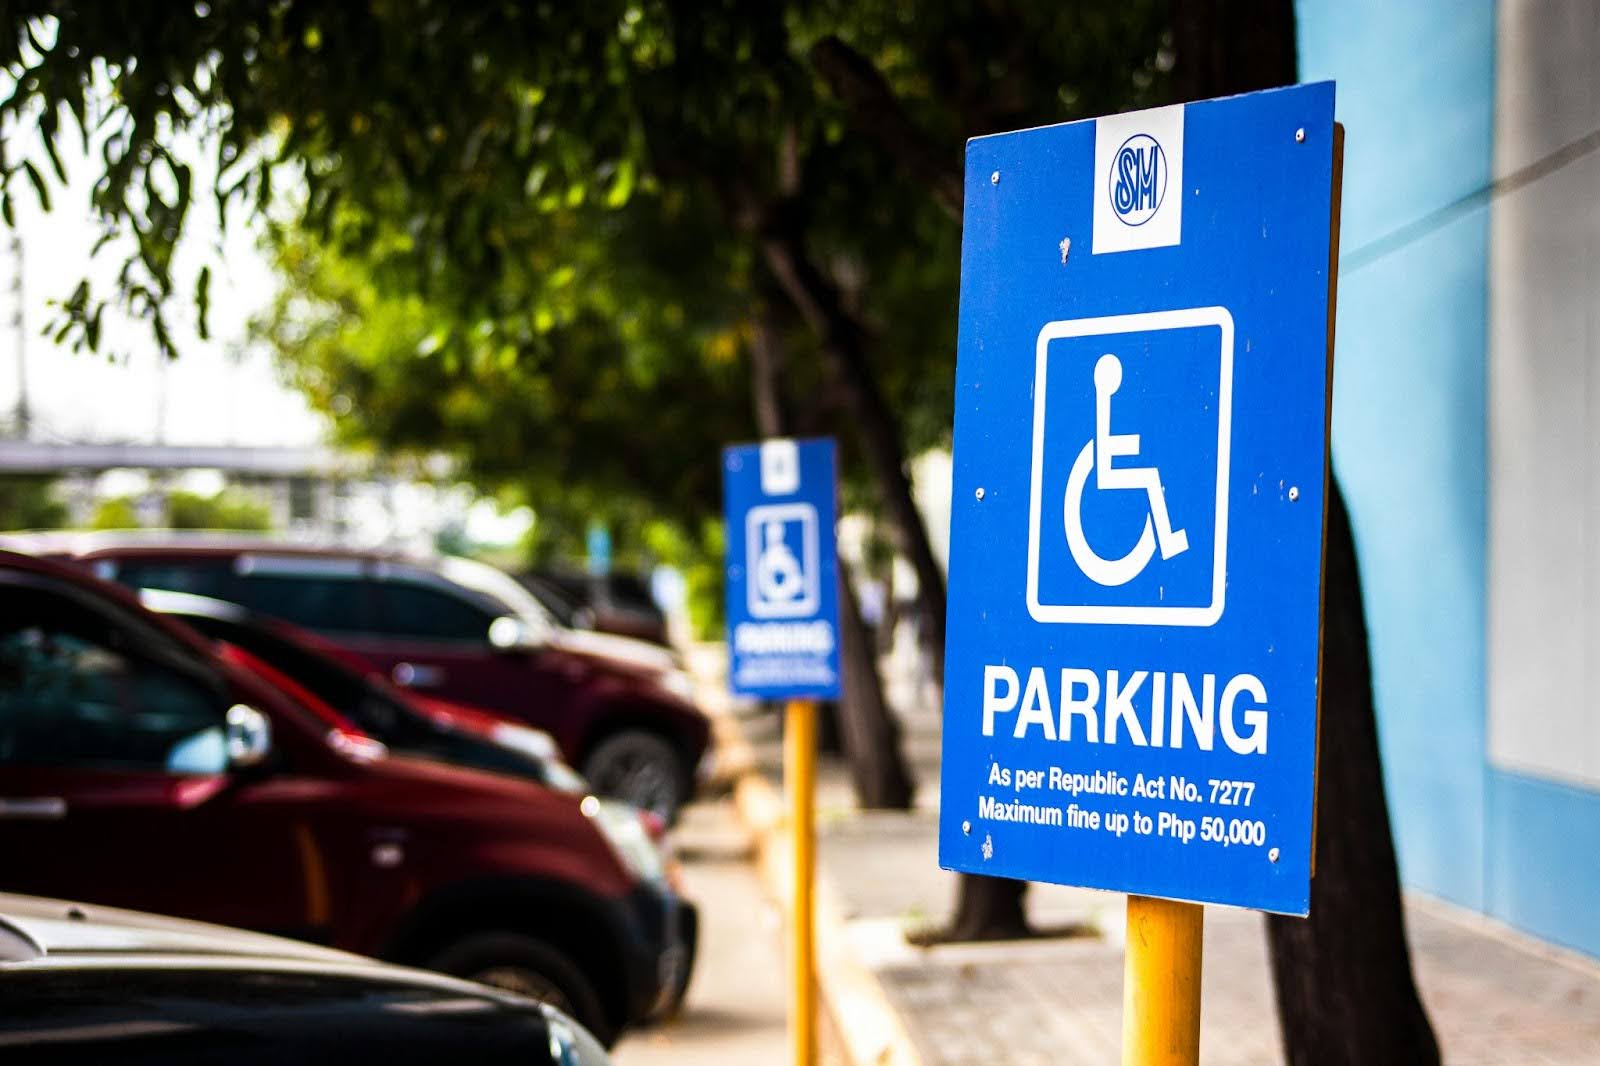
x=202 y=302
x=37 y=181
x=49 y=142
x=621 y=190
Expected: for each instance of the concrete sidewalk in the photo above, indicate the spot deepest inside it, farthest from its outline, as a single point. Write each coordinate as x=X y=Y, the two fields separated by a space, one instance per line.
x=1495 y=997
x=737 y=1007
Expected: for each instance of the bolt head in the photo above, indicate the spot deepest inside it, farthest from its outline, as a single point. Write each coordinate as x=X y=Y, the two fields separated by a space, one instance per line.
x=1300 y=135
x=1272 y=856
x=994 y=179
x=1294 y=493
x=966 y=828
x=978 y=492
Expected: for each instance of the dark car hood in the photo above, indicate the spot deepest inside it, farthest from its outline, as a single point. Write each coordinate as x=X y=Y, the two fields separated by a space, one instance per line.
x=434 y=781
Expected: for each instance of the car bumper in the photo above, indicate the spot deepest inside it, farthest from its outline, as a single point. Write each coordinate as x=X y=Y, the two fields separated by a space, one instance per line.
x=661 y=955
x=689 y=923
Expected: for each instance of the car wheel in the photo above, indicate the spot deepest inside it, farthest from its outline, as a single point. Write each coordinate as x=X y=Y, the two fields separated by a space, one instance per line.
x=529 y=967
x=640 y=768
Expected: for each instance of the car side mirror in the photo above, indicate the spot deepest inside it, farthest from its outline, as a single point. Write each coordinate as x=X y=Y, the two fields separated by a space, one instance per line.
x=510 y=633
x=249 y=736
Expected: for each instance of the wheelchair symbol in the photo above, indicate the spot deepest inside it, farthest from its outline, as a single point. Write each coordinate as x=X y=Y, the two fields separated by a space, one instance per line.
x=782 y=560
x=779 y=577
x=1108 y=593
x=1097 y=456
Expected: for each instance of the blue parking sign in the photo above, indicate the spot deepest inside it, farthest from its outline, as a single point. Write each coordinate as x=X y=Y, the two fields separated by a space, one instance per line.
x=782 y=570
x=1138 y=501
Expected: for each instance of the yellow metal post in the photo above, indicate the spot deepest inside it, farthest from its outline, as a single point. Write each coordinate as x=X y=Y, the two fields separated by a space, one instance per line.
x=800 y=775
x=1161 y=983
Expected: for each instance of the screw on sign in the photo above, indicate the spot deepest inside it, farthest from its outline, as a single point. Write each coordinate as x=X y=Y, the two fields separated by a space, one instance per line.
x=1131 y=687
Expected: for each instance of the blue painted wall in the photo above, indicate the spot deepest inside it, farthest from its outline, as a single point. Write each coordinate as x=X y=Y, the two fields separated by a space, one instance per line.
x=1416 y=95
x=1545 y=858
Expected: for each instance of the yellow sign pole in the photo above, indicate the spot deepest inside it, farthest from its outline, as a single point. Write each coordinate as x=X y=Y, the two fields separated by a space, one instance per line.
x=800 y=775
x=1161 y=983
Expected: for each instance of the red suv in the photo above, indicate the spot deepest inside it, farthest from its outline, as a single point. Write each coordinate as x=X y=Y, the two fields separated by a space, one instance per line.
x=138 y=769
x=620 y=709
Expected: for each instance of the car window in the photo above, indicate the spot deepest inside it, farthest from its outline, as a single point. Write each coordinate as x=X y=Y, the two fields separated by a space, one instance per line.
x=72 y=693
x=409 y=609
x=332 y=603
x=496 y=586
x=201 y=577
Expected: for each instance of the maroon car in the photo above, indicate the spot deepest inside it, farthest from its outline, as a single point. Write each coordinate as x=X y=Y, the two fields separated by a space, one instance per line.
x=620 y=709
x=138 y=769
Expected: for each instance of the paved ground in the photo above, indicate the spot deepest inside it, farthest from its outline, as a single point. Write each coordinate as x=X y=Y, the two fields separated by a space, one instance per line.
x=736 y=1008
x=1496 y=998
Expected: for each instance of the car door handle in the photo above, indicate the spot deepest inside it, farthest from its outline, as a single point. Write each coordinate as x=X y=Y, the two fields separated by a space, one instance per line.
x=33 y=808
x=417 y=675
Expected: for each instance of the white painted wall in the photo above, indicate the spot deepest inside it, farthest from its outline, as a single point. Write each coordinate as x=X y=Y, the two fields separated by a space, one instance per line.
x=1544 y=399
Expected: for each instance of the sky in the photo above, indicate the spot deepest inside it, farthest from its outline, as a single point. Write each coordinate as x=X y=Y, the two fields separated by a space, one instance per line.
x=220 y=391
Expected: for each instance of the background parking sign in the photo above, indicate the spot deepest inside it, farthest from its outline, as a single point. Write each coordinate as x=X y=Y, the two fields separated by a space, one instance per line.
x=1131 y=682
x=782 y=592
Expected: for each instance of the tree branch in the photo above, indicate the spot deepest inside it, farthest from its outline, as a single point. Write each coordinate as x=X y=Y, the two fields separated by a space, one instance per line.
x=877 y=112
x=844 y=342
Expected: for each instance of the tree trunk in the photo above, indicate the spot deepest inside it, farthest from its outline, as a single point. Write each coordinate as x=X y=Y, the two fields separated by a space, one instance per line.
x=870 y=733
x=843 y=340
x=766 y=376
x=1343 y=977
x=987 y=908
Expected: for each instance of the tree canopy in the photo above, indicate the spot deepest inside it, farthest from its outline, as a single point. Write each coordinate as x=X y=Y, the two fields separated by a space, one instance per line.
x=530 y=234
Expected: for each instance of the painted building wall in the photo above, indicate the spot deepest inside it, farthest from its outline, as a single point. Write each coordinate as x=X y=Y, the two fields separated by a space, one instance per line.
x=1416 y=95
x=1467 y=433
x=1544 y=476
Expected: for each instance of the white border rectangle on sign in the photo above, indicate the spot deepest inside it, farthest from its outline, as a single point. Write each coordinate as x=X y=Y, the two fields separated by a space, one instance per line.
x=1122 y=614
x=811 y=595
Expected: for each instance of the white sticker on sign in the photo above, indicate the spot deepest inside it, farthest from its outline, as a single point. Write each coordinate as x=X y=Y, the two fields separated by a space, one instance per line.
x=780 y=467
x=1138 y=180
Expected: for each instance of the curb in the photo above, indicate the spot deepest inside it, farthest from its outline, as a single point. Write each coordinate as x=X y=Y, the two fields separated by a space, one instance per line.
x=869 y=1028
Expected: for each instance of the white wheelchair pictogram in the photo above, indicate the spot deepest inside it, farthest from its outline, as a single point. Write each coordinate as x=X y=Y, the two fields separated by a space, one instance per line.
x=781 y=559
x=779 y=575
x=1097 y=457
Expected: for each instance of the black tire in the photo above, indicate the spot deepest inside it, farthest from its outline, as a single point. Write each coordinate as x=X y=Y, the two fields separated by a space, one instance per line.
x=530 y=967
x=641 y=768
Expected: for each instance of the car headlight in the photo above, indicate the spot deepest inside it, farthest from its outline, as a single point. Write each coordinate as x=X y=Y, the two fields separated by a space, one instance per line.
x=625 y=830
x=679 y=683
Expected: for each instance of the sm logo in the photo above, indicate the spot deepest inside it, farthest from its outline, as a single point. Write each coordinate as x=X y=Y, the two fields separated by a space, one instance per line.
x=1138 y=179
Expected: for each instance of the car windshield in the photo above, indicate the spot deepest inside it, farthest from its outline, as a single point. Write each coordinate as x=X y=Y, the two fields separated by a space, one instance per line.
x=553 y=599
x=498 y=586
